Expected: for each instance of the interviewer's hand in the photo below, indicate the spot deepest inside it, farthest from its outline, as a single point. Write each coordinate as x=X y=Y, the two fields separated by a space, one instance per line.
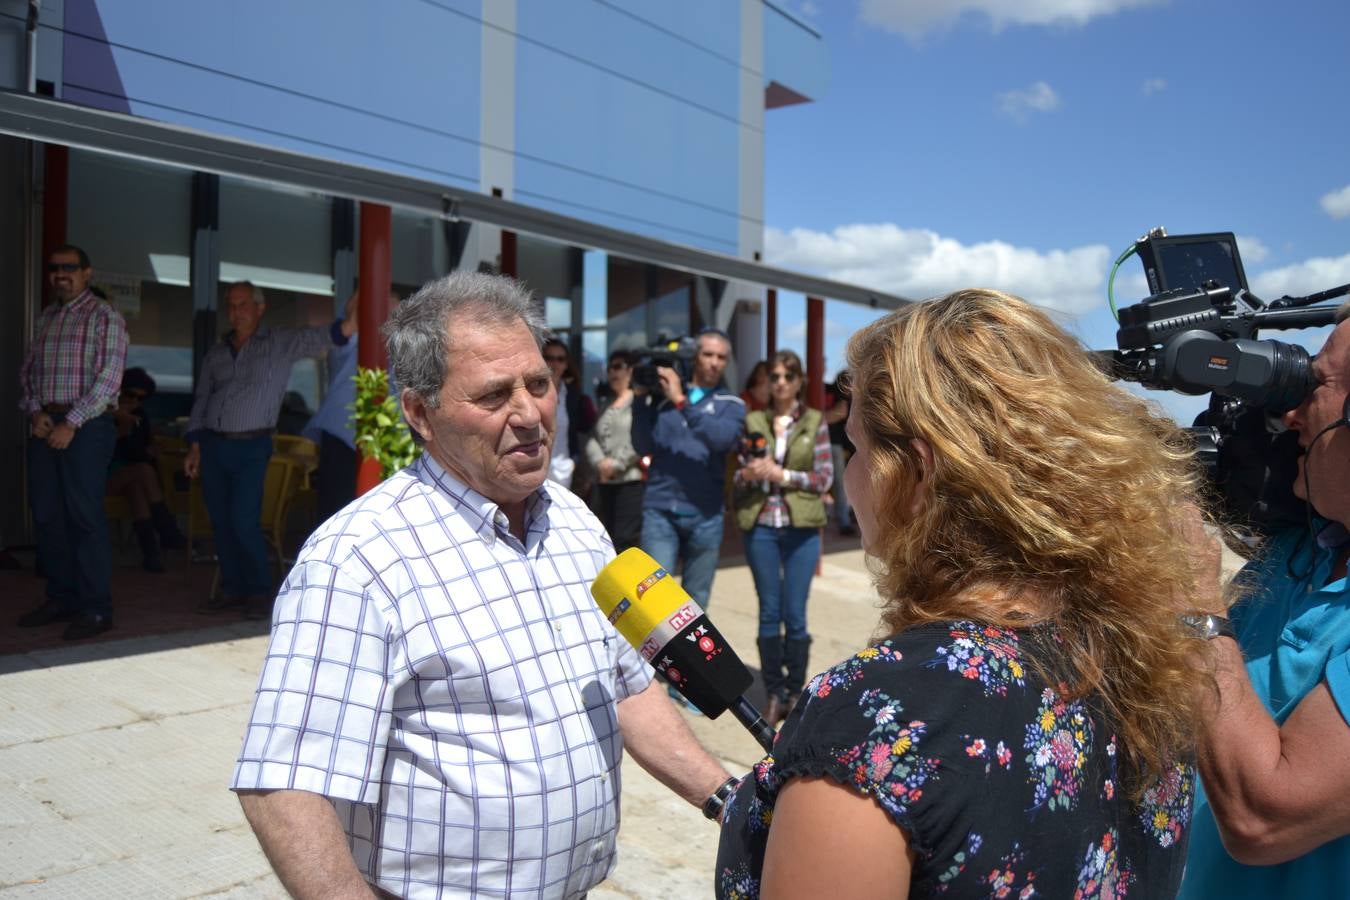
x=761 y=469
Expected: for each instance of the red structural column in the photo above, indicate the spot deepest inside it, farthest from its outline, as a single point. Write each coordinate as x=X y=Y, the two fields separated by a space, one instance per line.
x=815 y=352
x=373 y=270
x=508 y=253
x=55 y=198
x=771 y=323
x=373 y=281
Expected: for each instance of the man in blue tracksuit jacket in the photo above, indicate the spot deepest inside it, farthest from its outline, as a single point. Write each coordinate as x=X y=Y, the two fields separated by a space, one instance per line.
x=688 y=435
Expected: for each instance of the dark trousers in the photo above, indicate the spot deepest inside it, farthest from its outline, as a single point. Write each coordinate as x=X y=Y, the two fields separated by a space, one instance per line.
x=232 y=486
x=619 y=508
x=335 y=480
x=65 y=490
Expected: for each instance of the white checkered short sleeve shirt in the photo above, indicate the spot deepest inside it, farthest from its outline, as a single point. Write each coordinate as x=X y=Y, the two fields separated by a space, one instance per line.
x=451 y=690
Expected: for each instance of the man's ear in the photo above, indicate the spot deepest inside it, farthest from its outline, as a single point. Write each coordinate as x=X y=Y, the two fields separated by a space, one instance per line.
x=415 y=413
x=925 y=452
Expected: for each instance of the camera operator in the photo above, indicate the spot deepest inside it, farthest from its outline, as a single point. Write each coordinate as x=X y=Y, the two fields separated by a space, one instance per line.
x=687 y=434
x=1274 y=740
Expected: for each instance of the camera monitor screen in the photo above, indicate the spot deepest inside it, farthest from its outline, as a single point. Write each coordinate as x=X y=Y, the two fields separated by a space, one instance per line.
x=1190 y=260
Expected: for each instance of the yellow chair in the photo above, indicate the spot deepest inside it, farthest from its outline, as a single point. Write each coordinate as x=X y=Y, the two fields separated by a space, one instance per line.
x=305 y=454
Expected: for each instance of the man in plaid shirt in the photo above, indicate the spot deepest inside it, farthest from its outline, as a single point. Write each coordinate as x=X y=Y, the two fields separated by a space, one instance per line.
x=443 y=708
x=68 y=387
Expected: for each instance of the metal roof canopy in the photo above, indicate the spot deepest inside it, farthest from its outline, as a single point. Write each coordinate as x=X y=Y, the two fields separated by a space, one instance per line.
x=51 y=121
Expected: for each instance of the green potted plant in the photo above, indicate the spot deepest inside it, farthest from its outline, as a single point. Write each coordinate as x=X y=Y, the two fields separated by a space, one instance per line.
x=382 y=437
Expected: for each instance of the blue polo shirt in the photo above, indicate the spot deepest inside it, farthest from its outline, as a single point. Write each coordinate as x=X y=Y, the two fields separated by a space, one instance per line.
x=1295 y=632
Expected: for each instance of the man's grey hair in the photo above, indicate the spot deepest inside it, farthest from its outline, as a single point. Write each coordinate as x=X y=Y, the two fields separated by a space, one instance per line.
x=1343 y=313
x=418 y=331
x=255 y=291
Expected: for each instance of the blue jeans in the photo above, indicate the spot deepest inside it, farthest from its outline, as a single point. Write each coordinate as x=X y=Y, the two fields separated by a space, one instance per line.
x=232 y=486
x=65 y=490
x=698 y=539
x=782 y=562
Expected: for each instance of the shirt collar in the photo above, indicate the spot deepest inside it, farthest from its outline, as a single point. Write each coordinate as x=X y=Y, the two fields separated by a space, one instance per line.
x=261 y=332
x=484 y=515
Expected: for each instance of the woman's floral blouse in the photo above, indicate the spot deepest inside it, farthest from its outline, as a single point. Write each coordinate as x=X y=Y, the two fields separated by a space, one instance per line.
x=1004 y=785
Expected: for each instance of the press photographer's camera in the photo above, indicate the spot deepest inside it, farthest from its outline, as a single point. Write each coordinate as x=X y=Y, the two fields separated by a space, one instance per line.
x=677 y=353
x=1197 y=334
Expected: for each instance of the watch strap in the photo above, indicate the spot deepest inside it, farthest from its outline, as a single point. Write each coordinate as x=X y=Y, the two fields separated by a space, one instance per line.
x=1207 y=626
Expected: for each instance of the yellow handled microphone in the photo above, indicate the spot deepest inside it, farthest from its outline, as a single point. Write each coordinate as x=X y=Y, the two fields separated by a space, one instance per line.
x=672 y=632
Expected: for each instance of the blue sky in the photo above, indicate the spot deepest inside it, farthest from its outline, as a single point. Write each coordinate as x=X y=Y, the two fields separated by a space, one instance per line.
x=1023 y=144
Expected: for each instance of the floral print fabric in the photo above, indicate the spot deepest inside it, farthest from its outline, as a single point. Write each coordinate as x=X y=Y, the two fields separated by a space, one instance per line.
x=1006 y=786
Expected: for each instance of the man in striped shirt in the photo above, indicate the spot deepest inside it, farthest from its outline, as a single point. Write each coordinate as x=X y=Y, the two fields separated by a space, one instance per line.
x=238 y=398
x=68 y=387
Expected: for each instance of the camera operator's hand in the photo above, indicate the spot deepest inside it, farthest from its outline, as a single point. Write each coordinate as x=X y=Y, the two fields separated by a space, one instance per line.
x=671 y=384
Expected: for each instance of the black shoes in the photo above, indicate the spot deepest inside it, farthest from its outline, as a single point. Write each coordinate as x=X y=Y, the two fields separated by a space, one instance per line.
x=82 y=625
x=45 y=614
x=87 y=625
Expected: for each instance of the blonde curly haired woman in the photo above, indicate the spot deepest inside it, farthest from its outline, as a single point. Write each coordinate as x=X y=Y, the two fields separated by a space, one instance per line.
x=1025 y=726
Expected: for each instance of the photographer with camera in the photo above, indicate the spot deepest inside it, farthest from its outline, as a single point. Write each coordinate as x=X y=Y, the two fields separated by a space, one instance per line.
x=1274 y=739
x=687 y=432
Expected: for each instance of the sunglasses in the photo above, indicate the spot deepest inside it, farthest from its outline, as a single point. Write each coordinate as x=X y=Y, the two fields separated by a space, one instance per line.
x=617 y=365
x=782 y=376
x=64 y=267
x=553 y=357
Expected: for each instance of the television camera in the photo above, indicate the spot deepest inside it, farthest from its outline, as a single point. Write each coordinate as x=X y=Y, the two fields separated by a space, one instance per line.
x=676 y=353
x=1197 y=334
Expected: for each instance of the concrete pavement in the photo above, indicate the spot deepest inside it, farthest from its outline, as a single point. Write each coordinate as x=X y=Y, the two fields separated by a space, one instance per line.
x=114 y=760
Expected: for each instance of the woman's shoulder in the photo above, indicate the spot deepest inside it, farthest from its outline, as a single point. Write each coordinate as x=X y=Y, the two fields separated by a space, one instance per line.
x=993 y=657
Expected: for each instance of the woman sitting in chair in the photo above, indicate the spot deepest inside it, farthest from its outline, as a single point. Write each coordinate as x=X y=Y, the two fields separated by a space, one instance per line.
x=134 y=472
x=1025 y=726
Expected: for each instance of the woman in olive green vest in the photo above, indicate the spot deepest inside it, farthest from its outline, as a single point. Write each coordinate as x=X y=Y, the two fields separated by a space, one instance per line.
x=785 y=469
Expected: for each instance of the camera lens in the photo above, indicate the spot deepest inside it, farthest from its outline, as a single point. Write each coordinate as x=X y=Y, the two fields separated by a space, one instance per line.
x=1290 y=377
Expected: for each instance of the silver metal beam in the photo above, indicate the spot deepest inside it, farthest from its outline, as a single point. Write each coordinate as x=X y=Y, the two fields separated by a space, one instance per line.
x=55 y=122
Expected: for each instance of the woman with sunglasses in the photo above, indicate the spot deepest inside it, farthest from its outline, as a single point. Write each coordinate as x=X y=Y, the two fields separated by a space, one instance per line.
x=617 y=466
x=786 y=468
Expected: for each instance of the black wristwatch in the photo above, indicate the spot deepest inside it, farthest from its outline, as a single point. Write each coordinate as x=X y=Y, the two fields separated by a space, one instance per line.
x=712 y=807
x=1207 y=626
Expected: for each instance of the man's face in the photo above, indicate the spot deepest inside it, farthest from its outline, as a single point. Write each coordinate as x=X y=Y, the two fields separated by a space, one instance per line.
x=710 y=360
x=66 y=276
x=493 y=429
x=1328 y=463
x=244 y=313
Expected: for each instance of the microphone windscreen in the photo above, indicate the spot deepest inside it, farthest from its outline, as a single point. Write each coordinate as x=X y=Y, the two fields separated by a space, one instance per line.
x=656 y=616
x=637 y=595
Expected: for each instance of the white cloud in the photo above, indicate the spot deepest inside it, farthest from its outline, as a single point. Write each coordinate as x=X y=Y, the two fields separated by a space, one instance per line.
x=913 y=18
x=1154 y=85
x=1251 y=249
x=1302 y=278
x=1337 y=203
x=917 y=262
x=1019 y=104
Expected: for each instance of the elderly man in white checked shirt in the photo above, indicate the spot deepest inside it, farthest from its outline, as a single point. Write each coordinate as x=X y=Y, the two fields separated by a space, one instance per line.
x=443 y=708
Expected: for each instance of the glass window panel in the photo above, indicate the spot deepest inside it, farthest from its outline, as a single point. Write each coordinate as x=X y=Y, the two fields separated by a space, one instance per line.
x=595 y=281
x=281 y=240
x=134 y=220
x=418 y=251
